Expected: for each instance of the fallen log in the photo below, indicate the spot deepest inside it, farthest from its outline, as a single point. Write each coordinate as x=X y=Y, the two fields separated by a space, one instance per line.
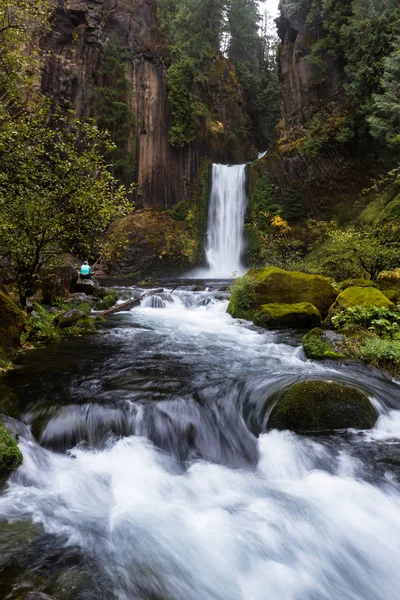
x=129 y=303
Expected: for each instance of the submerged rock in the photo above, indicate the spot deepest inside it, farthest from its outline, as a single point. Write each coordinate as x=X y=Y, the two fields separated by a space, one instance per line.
x=318 y=406
x=278 y=316
x=321 y=344
x=10 y=454
x=277 y=286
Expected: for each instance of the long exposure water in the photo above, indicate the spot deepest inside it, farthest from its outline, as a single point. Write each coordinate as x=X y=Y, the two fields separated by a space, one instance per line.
x=227 y=209
x=149 y=472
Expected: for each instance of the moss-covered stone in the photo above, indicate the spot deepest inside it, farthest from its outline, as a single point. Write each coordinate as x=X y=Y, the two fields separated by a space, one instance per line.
x=319 y=344
x=12 y=321
x=108 y=300
x=277 y=316
x=359 y=296
x=273 y=285
x=322 y=406
x=392 y=295
x=357 y=283
x=10 y=454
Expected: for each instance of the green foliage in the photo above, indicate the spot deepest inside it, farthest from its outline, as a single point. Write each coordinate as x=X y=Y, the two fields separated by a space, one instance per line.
x=316 y=345
x=180 y=211
x=382 y=353
x=382 y=321
x=56 y=192
x=10 y=454
x=112 y=97
x=243 y=297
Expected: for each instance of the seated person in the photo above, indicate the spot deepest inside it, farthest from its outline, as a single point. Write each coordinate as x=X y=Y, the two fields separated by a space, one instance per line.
x=85 y=270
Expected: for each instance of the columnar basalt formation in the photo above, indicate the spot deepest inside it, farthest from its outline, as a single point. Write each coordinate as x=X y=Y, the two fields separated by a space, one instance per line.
x=164 y=174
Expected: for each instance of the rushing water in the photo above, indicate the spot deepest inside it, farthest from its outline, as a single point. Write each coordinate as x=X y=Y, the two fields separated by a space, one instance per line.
x=149 y=473
x=226 y=220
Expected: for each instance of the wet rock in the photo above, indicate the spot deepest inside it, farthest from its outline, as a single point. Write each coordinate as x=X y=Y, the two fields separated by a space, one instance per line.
x=77 y=297
x=319 y=406
x=273 y=285
x=278 y=316
x=57 y=282
x=108 y=300
x=323 y=344
x=36 y=596
x=86 y=286
x=10 y=454
x=70 y=317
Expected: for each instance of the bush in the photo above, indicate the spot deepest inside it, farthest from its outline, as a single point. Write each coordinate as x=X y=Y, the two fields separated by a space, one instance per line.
x=378 y=319
x=180 y=211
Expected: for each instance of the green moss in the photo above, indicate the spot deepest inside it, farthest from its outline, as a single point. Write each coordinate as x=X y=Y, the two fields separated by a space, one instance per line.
x=392 y=295
x=10 y=454
x=357 y=283
x=273 y=285
x=108 y=300
x=371 y=213
x=243 y=299
x=359 y=296
x=322 y=406
x=276 y=316
x=317 y=346
x=391 y=212
x=12 y=321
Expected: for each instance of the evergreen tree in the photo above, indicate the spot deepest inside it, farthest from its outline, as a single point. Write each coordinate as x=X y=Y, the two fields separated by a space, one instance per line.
x=385 y=118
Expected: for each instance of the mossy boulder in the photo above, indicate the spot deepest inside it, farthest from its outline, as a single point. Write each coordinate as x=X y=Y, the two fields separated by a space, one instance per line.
x=357 y=283
x=10 y=454
x=392 y=295
x=277 y=286
x=359 y=296
x=108 y=300
x=12 y=321
x=319 y=406
x=277 y=316
x=319 y=344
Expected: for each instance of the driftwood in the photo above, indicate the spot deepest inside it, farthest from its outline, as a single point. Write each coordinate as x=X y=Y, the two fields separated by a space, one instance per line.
x=129 y=303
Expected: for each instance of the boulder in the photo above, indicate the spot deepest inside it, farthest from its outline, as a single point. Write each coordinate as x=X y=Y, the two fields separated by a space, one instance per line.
x=86 y=286
x=319 y=406
x=273 y=285
x=12 y=321
x=392 y=295
x=357 y=283
x=70 y=317
x=10 y=454
x=277 y=316
x=35 y=596
x=57 y=282
x=359 y=296
x=323 y=344
x=108 y=300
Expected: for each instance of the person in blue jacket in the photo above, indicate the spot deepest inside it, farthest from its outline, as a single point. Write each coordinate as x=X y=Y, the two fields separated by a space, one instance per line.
x=85 y=270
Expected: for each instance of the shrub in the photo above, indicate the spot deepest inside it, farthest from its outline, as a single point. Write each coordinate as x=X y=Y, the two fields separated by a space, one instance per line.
x=378 y=319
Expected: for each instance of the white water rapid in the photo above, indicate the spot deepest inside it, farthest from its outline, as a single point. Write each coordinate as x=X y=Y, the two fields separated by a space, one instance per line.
x=226 y=220
x=171 y=486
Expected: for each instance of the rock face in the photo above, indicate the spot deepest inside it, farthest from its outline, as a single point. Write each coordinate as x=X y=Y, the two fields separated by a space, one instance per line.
x=164 y=174
x=322 y=406
x=277 y=316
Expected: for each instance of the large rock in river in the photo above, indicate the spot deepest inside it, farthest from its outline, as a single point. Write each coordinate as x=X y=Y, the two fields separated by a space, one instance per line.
x=322 y=406
x=274 y=285
x=277 y=316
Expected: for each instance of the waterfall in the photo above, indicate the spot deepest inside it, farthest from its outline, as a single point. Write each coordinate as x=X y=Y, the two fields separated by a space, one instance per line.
x=226 y=213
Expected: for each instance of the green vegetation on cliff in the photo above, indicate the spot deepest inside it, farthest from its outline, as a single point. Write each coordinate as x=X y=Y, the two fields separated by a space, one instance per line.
x=10 y=454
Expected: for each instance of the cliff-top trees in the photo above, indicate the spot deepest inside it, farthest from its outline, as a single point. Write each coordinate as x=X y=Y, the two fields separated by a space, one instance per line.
x=56 y=193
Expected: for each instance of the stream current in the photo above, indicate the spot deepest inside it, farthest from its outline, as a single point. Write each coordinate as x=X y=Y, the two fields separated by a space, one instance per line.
x=149 y=473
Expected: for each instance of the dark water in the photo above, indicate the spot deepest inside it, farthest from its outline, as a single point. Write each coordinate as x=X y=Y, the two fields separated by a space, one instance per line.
x=148 y=473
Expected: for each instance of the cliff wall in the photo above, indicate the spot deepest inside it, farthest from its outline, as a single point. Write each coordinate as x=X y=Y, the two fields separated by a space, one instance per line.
x=164 y=174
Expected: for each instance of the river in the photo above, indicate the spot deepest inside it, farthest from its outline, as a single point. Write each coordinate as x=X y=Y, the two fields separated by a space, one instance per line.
x=149 y=473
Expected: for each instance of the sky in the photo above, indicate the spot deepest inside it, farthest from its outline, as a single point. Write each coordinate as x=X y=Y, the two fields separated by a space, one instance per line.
x=270 y=5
